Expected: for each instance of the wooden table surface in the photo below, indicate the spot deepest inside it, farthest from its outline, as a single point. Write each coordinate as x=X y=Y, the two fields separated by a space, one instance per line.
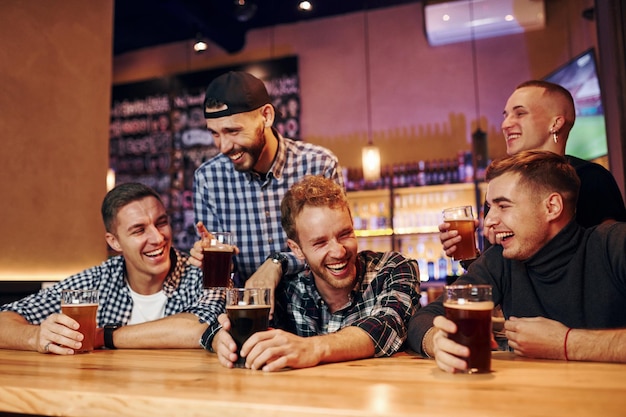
x=192 y=383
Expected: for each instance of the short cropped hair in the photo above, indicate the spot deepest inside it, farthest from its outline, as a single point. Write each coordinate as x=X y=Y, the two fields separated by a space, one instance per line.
x=542 y=172
x=313 y=191
x=560 y=95
x=121 y=196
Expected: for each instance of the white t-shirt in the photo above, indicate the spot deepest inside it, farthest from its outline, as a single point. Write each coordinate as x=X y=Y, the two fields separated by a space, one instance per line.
x=147 y=307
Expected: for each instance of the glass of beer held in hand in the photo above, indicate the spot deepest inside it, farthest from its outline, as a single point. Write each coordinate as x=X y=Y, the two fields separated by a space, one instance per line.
x=470 y=307
x=248 y=310
x=82 y=305
x=216 y=263
x=461 y=219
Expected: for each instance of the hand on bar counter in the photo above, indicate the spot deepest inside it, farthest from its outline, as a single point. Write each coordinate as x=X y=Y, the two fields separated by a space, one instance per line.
x=345 y=305
x=556 y=282
x=149 y=295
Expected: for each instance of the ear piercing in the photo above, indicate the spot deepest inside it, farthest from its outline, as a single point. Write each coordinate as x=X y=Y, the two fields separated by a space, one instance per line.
x=555 y=136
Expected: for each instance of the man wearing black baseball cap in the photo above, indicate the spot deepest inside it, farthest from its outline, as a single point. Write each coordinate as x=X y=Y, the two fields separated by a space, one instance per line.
x=240 y=189
x=232 y=93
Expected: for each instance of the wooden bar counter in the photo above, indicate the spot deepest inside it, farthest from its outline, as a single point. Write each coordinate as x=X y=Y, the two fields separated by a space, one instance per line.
x=192 y=383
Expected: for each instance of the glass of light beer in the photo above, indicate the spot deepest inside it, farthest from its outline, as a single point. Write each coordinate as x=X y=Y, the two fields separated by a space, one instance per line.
x=462 y=220
x=82 y=305
x=216 y=264
x=470 y=307
x=248 y=310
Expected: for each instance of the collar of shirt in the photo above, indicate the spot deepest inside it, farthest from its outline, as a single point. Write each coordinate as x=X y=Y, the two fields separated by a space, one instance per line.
x=172 y=280
x=276 y=170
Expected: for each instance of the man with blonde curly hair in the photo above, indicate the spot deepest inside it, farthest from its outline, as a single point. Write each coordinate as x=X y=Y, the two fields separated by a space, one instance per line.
x=346 y=305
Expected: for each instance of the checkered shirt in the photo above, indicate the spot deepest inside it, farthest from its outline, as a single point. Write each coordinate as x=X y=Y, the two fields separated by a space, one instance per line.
x=383 y=300
x=183 y=288
x=248 y=206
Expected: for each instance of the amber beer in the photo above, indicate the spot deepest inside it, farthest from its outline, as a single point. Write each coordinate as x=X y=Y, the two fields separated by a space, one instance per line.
x=466 y=248
x=216 y=267
x=82 y=305
x=470 y=308
x=85 y=315
x=245 y=321
x=462 y=220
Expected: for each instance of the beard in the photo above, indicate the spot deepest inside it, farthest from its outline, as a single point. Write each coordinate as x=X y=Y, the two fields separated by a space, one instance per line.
x=252 y=152
x=324 y=275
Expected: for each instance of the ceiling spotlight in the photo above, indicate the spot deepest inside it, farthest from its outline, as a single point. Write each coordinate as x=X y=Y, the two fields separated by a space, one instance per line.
x=244 y=10
x=305 y=6
x=199 y=45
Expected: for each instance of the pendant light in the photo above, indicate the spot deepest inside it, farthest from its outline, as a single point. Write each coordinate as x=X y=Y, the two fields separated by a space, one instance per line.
x=200 y=44
x=479 y=137
x=370 y=153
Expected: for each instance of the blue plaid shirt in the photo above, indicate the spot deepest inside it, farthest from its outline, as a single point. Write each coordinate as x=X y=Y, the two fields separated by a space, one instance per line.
x=383 y=300
x=183 y=288
x=248 y=206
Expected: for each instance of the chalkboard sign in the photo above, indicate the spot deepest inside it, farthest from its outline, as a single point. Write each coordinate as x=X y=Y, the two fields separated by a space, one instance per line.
x=158 y=134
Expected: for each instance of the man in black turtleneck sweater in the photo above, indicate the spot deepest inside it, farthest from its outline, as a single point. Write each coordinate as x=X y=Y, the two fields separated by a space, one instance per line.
x=558 y=284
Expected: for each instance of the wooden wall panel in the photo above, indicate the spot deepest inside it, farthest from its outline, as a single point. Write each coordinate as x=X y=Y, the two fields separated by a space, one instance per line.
x=55 y=79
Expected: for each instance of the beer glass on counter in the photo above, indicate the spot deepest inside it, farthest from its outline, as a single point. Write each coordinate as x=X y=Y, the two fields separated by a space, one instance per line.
x=462 y=219
x=470 y=307
x=216 y=264
x=82 y=305
x=248 y=310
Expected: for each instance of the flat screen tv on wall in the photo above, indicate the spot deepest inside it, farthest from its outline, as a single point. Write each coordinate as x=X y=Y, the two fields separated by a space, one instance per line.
x=587 y=139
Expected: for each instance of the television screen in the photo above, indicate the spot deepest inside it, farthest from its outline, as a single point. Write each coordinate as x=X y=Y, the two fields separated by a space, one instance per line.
x=587 y=140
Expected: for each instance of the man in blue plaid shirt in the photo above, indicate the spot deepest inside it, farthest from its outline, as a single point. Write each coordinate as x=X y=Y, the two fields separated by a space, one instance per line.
x=149 y=297
x=346 y=305
x=240 y=189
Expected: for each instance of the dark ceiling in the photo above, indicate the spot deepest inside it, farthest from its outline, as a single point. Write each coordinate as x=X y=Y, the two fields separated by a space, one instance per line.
x=145 y=23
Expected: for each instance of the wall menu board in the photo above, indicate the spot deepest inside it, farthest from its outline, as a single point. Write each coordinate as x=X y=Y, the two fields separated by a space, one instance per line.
x=158 y=134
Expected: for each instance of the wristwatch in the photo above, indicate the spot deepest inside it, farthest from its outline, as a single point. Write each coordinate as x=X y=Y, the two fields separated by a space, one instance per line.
x=280 y=259
x=108 y=335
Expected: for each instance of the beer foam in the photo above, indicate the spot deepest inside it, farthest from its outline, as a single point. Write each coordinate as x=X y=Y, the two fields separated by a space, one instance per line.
x=465 y=305
x=222 y=248
x=79 y=305
x=247 y=306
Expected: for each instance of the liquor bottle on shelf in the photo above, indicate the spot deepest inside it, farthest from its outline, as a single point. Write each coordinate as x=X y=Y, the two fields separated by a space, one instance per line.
x=460 y=161
x=441 y=172
x=469 y=167
x=454 y=172
x=356 y=218
x=442 y=264
x=456 y=267
x=431 y=266
x=386 y=176
x=372 y=218
x=383 y=216
x=412 y=176
x=428 y=173
x=421 y=174
x=363 y=216
x=421 y=261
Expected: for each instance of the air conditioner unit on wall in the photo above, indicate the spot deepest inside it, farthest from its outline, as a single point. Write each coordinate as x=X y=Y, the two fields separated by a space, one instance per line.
x=457 y=21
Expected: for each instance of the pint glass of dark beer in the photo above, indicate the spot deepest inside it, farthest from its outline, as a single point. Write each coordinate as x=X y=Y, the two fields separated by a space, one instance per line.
x=462 y=220
x=82 y=305
x=470 y=307
x=216 y=264
x=248 y=310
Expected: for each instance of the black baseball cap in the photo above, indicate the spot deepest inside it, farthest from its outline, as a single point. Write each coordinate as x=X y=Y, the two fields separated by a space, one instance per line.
x=237 y=91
